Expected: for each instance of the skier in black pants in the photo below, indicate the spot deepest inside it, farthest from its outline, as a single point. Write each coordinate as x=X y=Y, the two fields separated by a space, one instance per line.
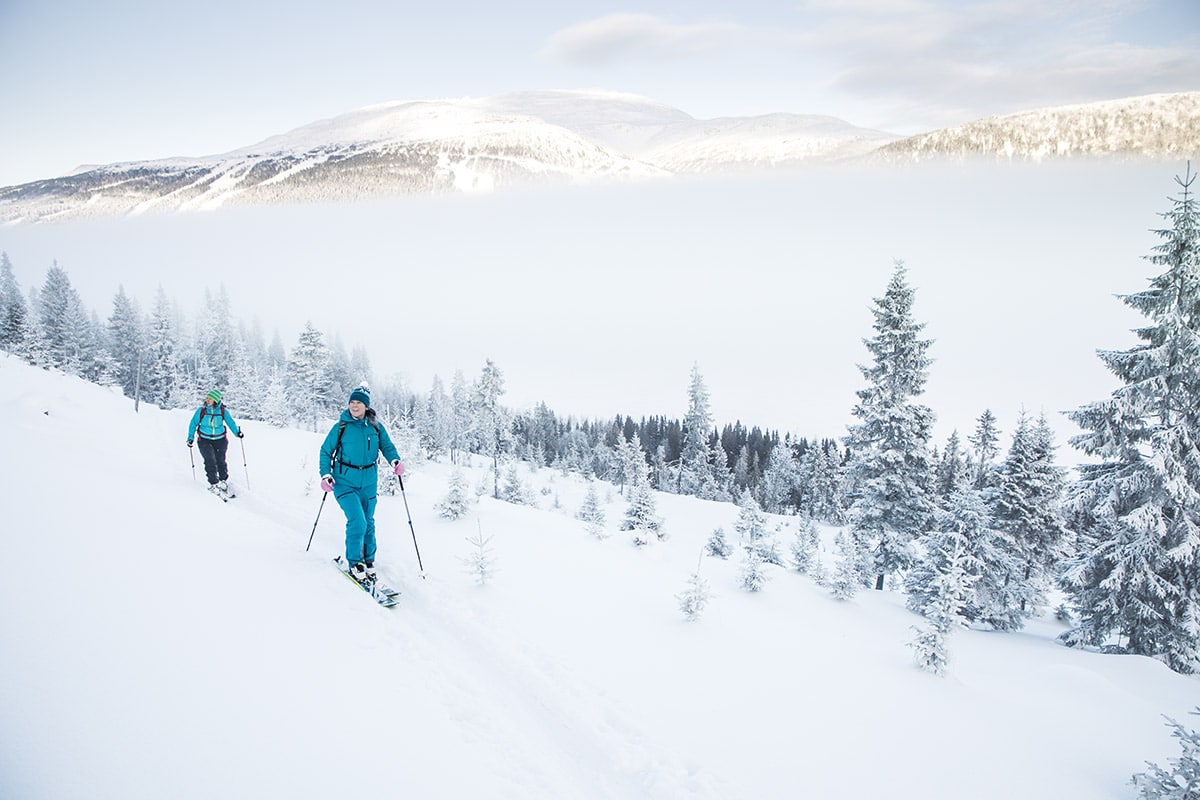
x=208 y=423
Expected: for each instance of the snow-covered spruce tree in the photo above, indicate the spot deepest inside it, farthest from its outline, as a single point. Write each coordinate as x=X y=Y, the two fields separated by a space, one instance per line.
x=491 y=421
x=513 y=491
x=951 y=590
x=161 y=363
x=641 y=518
x=951 y=473
x=14 y=315
x=1139 y=506
x=435 y=420
x=275 y=409
x=848 y=576
x=715 y=481
x=717 y=545
x=751 y=523
x=126 y=342
x=308 y=387
x=751 y=527
x=630 y=462
x=963 y=530
x=65 y=326
x=780 y=478
x=457 y=502
x=481 y=562
x=591 y=514
x=694 y=598
x=461 y=420
x=821 y=474
x=806 y=547
x=694 y=454
x=890 y=475
x=1182 y=780
x=1026 y=506
x=752 y=572
x=214 y=339
x=985 y=448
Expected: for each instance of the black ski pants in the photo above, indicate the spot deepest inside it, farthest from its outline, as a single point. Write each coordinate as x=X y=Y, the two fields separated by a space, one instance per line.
x=213 y=453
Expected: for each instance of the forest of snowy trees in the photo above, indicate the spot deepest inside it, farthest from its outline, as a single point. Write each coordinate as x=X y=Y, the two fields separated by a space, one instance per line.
x=971 y=532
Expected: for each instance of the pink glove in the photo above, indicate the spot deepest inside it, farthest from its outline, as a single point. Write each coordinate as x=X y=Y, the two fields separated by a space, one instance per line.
x=327 y=483
x=397 y=467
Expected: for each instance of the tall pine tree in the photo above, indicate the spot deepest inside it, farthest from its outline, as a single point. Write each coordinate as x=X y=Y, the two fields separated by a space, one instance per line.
x=890 y=472
x=1140 y=504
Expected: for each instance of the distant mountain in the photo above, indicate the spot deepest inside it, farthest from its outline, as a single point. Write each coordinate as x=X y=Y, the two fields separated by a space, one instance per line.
x=1157 y=126
x=572 y=137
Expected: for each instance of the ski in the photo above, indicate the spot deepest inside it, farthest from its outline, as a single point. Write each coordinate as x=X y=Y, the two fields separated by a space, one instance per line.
x=226 y=495
x=383 y=594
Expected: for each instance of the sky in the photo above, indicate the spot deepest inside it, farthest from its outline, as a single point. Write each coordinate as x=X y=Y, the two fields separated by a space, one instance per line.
x=87 y=83
x=164 y=644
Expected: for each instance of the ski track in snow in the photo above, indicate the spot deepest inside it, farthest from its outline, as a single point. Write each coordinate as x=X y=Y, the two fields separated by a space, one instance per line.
x=610 y=757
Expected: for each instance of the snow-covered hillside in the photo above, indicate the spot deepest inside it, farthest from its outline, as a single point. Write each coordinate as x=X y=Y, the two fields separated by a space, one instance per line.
x=155 y=642
x=571 y=137
x=1160 y=125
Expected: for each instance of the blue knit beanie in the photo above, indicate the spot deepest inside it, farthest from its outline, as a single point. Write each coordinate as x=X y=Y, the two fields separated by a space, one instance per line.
x=362 y=394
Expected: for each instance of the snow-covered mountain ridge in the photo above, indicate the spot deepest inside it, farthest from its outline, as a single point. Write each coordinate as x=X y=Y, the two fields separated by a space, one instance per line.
x=571 y=137
x=1159 y=126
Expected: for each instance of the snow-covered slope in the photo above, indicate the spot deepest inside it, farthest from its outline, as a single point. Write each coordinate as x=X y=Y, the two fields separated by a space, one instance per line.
x=478 y=144
x=385 y=150
x=155 y=642
x=1161 y=126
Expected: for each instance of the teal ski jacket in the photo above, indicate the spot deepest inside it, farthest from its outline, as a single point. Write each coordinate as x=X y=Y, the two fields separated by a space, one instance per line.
x=362 y=442
x=210 y=423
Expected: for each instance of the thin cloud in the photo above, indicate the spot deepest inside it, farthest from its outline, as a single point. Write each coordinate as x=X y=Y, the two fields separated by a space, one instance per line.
x=618 y=37
x=945 y=63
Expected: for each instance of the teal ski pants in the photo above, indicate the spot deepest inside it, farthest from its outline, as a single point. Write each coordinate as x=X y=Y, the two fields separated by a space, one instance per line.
x=358 y=504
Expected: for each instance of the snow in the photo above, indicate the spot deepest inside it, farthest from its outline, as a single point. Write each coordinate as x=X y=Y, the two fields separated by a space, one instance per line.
x=155 y=642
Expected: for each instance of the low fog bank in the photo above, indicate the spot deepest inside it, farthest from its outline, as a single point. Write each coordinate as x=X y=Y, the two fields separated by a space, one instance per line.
x=598 y=300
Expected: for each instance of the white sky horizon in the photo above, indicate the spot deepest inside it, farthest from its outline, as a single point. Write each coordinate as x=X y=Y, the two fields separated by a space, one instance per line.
x=122 y=82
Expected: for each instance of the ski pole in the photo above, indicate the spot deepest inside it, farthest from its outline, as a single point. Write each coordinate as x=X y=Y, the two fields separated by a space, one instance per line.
x=410 y=526
x=192 y=456
x=315 y=521
x=244 y=468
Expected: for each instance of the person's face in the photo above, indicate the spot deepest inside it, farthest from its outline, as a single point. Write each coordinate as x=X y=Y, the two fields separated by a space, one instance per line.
x=208 y=401
x=357 y=409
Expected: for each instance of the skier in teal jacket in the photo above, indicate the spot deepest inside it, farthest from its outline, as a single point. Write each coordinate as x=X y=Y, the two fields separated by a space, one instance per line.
x=348 y=469
x=208 y=424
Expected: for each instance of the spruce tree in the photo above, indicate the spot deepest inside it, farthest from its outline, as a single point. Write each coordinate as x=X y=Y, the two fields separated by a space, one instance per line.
x=985 y=443
x=1026 y=505
x=161 y=365
x=890 y=471
x=457 y=501
x=1139 y=503
x=311 y=395
x=590 y=513
x=694 y=598
x=14 y=316
x=126 y=342
x=1182 y=780
x=780 y=478
x=694 y=460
